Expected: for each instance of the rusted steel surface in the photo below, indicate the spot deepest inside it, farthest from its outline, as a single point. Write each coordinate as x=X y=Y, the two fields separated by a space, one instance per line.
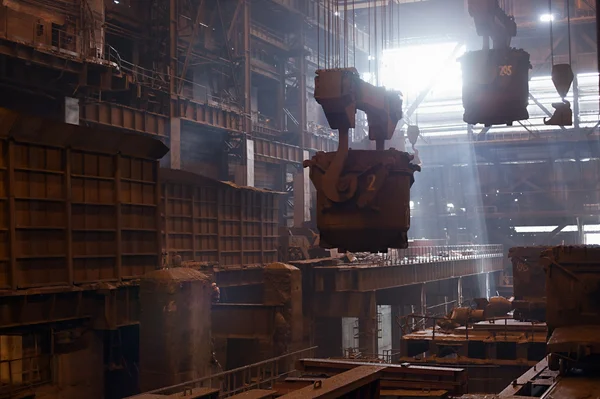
x=276 y=152
x=574 y=388
x=291 y=384
x=255 y=394
x=259 y=375
x=361 y=381
x=505 y=342
x=454 y=380
x=522 y=385
x=415 y=393
x=529 y=280
x=175 y=327
x=541 y=382
x=529 y=283
x=575 y=338
x=378 y=216
x=294 y=384
x=232 y=276
x=377 y=276
x=362 y=196
x=572 y=307
x=573 y=286
x=79 y=205
x=211 y=221
x=122 y=117
x=196 y=393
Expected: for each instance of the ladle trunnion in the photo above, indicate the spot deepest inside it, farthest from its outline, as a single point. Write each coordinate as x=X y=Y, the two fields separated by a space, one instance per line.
x=363 y=196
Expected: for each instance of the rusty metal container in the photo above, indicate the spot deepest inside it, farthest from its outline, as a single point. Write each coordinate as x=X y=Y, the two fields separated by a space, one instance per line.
x=377 y=216
x=529 y=279
x=495 y=86
x=529 y=283
x=572 y=285
x=175 y=327
x=572 y=306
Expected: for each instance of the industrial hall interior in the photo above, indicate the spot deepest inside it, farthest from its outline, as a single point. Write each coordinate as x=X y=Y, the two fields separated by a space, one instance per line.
x=206 y=199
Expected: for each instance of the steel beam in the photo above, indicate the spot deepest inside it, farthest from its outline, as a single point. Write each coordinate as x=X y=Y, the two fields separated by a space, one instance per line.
x=372 y=277
x=233 y=276
x=211 y=115
x=236 y=13
x=362 y=381
x=195 y=393
x=255 y=394
x=276 y=152
x=320 y=143
x=71 y=63
x=524 y=380
x=394 y=376
x=173 y=41
x=247 y=70
x=190 y=46
x=106 y=309
x=268 y=37
x=122 y=117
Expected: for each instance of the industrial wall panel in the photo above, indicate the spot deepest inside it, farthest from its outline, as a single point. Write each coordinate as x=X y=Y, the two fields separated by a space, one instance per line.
x=209 y=221
x=75 y=210
x=268 y=176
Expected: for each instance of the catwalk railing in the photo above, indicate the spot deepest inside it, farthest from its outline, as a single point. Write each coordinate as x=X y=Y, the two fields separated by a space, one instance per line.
x=260 y=375
x=18 y=375
x=444 y=253
x=417 y=322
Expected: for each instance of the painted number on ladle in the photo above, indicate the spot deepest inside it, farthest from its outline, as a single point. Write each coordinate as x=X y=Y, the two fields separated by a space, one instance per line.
x=372 y=179
x=505 y=70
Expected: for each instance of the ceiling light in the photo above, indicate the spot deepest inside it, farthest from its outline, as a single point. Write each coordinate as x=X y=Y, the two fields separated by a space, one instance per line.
x=547 y=17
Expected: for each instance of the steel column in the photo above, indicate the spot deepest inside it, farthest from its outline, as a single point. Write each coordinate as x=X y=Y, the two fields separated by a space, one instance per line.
x=247 y=70
x=423 y=299
x=302 y=90
x=190 y=46
x=175 y=122
x=368 y=328
x=302 y=198
x=175 y=142
x=397 y=311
